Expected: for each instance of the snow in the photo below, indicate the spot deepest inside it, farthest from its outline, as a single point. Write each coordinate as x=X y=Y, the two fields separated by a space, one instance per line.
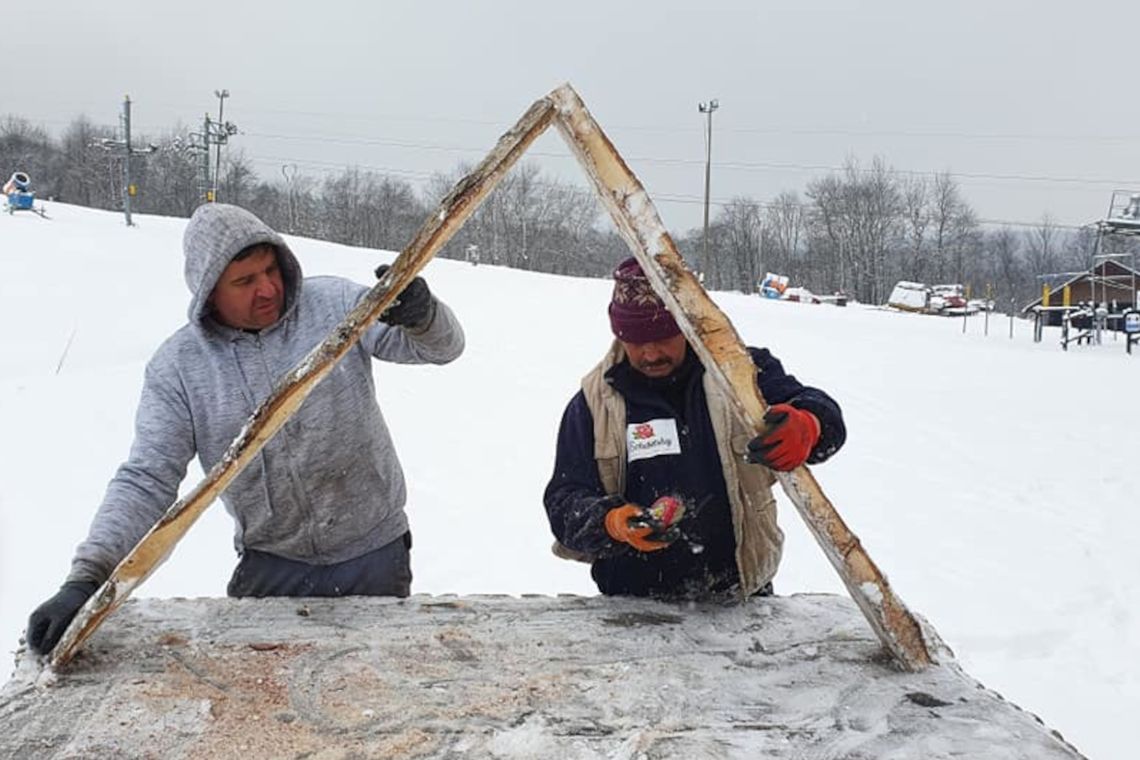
x=872 y=592
x=992 y=479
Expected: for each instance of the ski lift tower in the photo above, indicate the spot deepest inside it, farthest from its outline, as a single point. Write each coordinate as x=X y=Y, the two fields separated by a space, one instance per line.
x=1114 y=287
x=1103 y=297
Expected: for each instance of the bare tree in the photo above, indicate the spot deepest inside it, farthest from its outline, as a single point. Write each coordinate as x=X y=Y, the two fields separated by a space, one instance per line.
x=367 y=209
x=532 y=222
x=829 y=243
x=880 y=206
x=1042 y=245
x=955 y=230
x=739 y=238
x=783 y=235
x=168 y=179
x=915 y=196
x=81 y=170
x=238 y=181
x=289 y=206
x=1005 y=267
x=854 y=222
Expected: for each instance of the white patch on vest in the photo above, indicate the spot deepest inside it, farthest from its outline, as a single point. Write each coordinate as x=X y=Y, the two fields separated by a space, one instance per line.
x=650 y=439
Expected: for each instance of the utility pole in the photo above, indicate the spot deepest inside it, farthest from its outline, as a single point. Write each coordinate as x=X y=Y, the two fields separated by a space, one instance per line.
x=214 y=133
x=221 y=95
x=205 y=183
x=123 y=149
x=707 y=108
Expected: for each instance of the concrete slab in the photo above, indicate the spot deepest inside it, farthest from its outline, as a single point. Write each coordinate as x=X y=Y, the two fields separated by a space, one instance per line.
x=502 y=677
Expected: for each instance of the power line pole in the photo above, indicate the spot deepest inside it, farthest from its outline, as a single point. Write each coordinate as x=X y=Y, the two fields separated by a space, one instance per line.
x=214 y=133
x=707 y=108
x=204 y=183
x=124 y=150
x=222 y=95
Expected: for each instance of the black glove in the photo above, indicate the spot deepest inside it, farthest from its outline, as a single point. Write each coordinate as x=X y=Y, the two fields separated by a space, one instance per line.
x=414 y=306
x=49 y=621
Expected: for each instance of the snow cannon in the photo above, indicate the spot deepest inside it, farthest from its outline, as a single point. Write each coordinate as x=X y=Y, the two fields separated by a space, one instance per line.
x=774 y=285
x=19 y=193
x=20 y=181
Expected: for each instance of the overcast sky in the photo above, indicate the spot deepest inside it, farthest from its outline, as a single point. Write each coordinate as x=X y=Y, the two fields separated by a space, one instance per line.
x=1032 y=105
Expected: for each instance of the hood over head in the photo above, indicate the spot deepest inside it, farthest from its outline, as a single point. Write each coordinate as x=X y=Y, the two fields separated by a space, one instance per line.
x=216 y=233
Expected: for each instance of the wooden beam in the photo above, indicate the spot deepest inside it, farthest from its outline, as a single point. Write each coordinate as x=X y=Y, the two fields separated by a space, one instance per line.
x=727 y=360
x=707 y=329
x=294 y=388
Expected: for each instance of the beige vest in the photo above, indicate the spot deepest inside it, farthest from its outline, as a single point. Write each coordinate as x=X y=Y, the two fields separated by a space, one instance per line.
x=759 y=541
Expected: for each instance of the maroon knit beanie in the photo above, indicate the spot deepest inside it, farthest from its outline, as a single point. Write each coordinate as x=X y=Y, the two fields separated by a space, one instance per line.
x=637 y=315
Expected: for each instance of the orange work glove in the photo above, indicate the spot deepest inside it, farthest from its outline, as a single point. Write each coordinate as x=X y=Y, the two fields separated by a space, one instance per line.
x=647 y=530
x=792 y=434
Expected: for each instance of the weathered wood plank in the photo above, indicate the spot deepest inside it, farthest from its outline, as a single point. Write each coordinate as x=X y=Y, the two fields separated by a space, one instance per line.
x=708 y=330
x=294 y=388
x=726 y=359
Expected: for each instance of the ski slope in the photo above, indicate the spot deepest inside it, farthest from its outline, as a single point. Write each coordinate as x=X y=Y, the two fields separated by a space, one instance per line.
x=993 y=479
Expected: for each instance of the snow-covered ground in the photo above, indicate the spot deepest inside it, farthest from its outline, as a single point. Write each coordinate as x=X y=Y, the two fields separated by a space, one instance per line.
x=993 y=479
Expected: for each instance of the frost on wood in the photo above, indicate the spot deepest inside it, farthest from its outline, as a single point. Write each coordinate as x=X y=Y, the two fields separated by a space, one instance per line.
x=707 y=329
x=295 y=387
x=493 y=677
x=728 y=363
x=871 y=591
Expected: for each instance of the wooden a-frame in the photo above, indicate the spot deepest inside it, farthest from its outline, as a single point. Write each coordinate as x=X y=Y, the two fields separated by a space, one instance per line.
x=707 y=329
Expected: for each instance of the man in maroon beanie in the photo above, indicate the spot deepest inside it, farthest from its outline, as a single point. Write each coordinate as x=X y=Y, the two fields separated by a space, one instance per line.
x=656 y=483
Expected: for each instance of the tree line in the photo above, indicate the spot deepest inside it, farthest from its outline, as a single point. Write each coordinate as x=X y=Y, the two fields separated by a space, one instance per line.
x=856 y=231
x=528 y=222
x=860 y=230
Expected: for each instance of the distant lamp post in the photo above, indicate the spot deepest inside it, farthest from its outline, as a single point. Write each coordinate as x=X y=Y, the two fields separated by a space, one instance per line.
x=707 y=108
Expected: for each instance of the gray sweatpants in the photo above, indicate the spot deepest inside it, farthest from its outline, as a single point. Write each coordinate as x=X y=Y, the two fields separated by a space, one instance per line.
x=386 y=571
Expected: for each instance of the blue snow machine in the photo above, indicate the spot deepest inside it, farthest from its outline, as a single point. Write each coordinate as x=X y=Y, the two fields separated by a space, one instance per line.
x=19 y=193
x=21 y=201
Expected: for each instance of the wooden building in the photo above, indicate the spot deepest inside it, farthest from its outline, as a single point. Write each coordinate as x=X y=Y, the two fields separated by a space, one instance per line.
x=1109 y=282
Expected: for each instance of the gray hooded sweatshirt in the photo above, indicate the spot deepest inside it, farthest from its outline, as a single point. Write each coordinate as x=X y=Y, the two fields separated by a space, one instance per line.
x=328 y=486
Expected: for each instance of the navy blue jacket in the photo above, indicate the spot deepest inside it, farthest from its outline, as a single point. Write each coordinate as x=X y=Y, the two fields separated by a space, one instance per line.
x=704 y=560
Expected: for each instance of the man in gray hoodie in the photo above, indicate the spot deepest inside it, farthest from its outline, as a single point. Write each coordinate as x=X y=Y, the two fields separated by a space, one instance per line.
x=320 y=511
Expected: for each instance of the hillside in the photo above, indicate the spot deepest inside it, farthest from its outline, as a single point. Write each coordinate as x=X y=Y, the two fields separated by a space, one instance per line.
x=990 y=478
